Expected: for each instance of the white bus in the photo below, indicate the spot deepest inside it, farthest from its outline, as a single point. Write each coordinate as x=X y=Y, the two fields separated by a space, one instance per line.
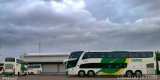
x=34 y=69
x=14 y=66
x=127 y=63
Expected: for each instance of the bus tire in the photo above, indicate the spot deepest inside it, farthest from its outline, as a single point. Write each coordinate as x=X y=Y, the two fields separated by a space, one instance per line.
x=18 y=73
x=129 y=73
x=138 y=73
x=32 y=73
x=90 y=73
x=81 y=73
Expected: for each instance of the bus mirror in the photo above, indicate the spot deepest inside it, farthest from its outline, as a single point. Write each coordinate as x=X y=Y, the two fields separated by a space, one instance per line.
x=66 y=60
x=72 y=59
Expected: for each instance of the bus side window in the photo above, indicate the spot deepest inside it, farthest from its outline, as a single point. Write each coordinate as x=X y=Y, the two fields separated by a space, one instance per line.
x=134 y=55
x=150 y=65
x=124 y=65
x=146 y=54
x=99 y=55
x=123 y=55
x=108 y=55
x=143 y=55
x=102 y=55
x=150 y=54
x=109 y=66
x=117 y=66
x=88 y=55
x=114 y=55
x=113 y=65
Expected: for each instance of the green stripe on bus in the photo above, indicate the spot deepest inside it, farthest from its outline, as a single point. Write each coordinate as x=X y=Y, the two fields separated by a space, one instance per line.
x=111 y=60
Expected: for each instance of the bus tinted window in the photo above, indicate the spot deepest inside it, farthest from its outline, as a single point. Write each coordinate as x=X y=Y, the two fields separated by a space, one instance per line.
x=140 y=54
x=133 y=55
x=10 y=59
x=123 y=55
x=75 y=54
x=99 y=55
x=118 y=55
x=150 y=54
x=108 y=55
x=114 y=55
x=143 y=55
x=88 y=55
x=71 y=64
x=151 y=65
x=104 y=65
x=146 y=54
x=109 y=66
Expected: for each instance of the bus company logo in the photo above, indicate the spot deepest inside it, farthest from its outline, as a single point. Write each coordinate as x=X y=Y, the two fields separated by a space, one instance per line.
x=8 y=78
x=136 y=60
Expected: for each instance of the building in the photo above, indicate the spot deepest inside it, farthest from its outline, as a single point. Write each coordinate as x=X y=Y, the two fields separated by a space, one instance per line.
x=51 y=64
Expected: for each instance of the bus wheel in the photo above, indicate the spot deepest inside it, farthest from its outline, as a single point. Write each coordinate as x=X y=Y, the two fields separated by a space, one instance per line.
x=129 y=73
x=81 y=73
x=32 y=73
x=90 y=73
x=18 y=73
x=138 y=73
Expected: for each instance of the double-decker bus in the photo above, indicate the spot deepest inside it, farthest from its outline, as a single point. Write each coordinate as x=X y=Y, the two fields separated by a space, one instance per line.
x=14 y=66
x=34 y=69
x=127 y=63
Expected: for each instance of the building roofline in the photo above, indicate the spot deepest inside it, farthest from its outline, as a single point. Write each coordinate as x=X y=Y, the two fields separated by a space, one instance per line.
x=46 y=55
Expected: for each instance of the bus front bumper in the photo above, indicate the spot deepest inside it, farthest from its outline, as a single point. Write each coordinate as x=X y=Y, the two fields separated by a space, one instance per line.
x=71 y=71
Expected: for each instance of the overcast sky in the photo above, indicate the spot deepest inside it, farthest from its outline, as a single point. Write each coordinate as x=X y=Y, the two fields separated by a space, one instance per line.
x=63 y=26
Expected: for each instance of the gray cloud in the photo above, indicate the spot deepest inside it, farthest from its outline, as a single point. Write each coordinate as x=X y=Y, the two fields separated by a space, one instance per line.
x=66 y=26
x=123 y=10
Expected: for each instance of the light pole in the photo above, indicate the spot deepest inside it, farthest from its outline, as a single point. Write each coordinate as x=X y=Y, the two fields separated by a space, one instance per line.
x=39 y=46
x=0 y=52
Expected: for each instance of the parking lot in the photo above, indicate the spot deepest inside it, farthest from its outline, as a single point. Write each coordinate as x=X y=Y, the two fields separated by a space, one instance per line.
x=62 y=77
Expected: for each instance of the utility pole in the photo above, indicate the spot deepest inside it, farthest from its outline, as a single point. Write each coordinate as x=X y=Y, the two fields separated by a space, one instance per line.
x=1 y=55
x=0 y=52
x=39 y=46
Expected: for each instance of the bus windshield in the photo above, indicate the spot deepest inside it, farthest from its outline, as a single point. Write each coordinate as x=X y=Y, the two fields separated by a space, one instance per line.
x=75 y=54
x=10 y=59
x=71 y=64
